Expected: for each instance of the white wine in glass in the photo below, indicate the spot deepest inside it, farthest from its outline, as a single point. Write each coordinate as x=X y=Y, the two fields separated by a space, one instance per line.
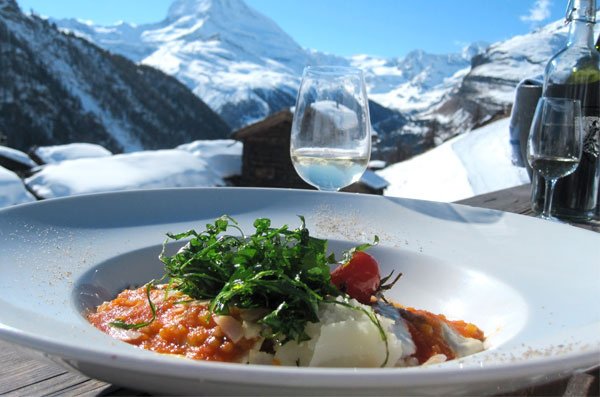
x=331 y=131
x=554 y=146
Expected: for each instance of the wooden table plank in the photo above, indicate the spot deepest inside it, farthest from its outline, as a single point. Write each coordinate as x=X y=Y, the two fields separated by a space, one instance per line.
x=57 y=386
x=21 y=375
x=580 y=384
x=18 y=366
x=516 y=200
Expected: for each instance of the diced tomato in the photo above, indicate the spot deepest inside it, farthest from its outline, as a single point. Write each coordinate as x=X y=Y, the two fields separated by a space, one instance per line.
x=359 y=277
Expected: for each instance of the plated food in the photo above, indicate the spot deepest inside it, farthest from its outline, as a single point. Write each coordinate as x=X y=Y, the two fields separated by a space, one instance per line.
x=272 y=298
x=63 y=258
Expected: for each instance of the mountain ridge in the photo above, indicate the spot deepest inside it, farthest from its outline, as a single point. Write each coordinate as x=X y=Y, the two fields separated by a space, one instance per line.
x=58 y=88
x=244 y=80
x=487 y=91
x=282 y=53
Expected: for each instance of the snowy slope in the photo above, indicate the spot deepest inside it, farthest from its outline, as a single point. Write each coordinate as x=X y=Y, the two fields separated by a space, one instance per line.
x=71 y=151
x=473 y=163
x=140 y=170
x=17 y=156
x=12 y=190
x=197 y=164
x=217 y=48
x=223 y=155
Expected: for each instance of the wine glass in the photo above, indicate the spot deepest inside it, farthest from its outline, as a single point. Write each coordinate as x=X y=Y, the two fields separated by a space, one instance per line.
x=554 y=145
x=330 y=143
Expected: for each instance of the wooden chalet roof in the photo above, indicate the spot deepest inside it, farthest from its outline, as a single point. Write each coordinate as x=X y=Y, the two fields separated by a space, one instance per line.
x=273 y=121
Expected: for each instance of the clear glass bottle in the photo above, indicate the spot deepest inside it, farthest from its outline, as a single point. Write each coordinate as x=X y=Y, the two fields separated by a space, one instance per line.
x=574 y=72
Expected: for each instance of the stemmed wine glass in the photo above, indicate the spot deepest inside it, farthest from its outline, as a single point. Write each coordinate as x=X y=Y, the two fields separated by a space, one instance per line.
x=555 y=144
x=331 y=131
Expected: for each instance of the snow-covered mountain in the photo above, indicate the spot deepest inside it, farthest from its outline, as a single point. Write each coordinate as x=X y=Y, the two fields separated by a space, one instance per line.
x=413 y=85
x=58 y=88
x=487 y=91
x=246 y=67
x=234 y=58
x=417 y=81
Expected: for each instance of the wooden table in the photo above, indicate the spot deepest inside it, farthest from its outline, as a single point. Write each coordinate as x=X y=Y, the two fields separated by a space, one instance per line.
x=22 y=376
x=516 y=200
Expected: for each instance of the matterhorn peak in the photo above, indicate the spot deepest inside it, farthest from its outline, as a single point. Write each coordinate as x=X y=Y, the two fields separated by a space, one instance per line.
x=187 y=8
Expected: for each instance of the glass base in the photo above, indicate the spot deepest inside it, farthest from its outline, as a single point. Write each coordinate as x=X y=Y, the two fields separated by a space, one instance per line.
x=550 y=218
x=566 y=214
x=579 y=215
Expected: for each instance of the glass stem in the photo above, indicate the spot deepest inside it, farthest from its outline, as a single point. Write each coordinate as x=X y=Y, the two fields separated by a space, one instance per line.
x=548 y=197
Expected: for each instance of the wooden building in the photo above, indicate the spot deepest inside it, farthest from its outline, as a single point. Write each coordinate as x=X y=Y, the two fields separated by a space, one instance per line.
x=266 y=158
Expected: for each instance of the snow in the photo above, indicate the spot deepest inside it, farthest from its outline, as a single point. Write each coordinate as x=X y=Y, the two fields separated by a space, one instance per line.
x=81 y=168
x=16 y=155
x=377 y=164
x=223 y=155
x=331 y=116
x=473 y=163
x=72 y=151
x=139 y=170
x=519 y=57
x=419 y=80
x=12 y=189
x=217 y=49
x=58 y=62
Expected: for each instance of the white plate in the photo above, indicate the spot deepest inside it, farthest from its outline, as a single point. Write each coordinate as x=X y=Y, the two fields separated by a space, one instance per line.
x=532 y=286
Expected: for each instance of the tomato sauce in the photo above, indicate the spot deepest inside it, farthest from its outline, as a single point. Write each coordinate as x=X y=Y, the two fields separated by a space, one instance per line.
x=428 y=336
x=185 y=327
x=182 y=326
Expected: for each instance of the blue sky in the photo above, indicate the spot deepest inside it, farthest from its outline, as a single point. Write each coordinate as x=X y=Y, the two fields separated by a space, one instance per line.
x=389 y=28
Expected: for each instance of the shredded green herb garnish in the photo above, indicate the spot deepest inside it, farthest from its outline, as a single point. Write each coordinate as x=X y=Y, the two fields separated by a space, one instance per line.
x=283 y=271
